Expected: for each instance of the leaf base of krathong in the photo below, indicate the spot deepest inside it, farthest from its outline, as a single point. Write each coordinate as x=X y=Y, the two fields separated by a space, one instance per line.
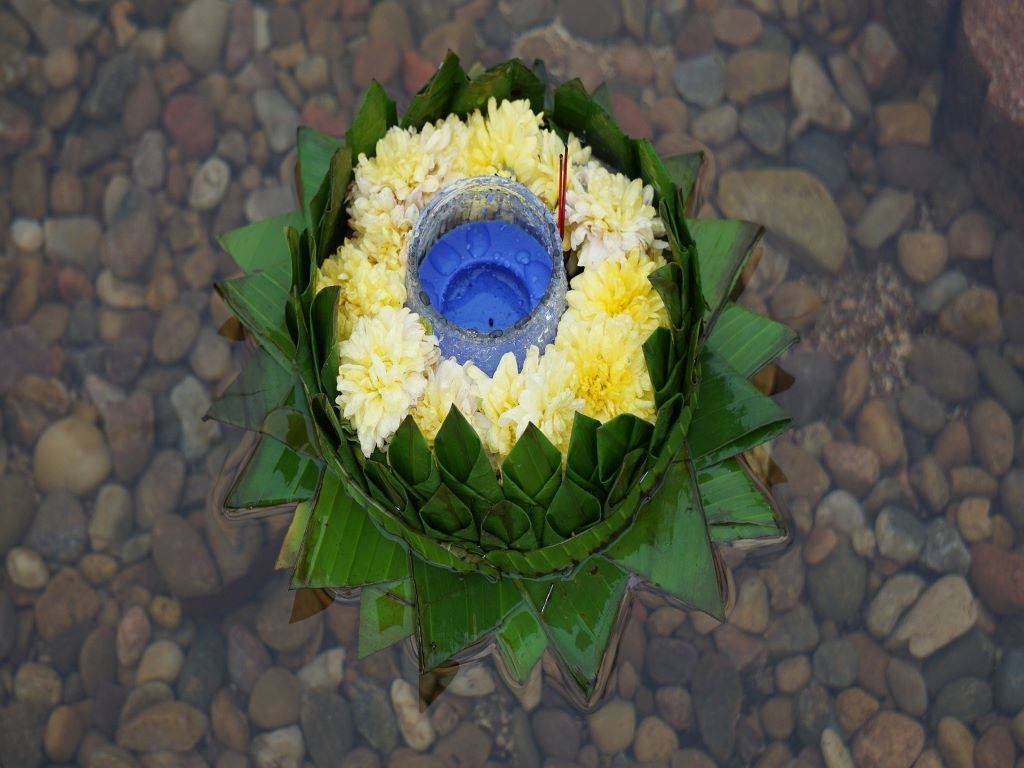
x=542 y=622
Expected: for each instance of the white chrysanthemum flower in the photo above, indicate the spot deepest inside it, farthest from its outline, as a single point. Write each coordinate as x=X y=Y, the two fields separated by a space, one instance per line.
x=505 y=141
x=383 y=372
x=548 y=399
x=608 y=214
x=366 y=287
x=619 y=286
x=500 y=393
x=542 y=176
x=447 y=385
x=611 y=371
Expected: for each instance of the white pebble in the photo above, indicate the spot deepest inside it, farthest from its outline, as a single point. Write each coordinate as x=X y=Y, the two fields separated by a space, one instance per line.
x=415 y=725
x=27 y=569
x=27 y=235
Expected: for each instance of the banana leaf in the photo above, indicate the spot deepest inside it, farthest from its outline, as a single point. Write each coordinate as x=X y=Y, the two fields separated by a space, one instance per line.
x=314 y=151
x=736 y=506
x=747 y=341
x=386 y=615
x=509 y=81
x=274 y=475
x=376 y=114
x=575 y=110
x=723 y=247
x=433 y=101
x=258 y=301
x=260 y=387
x=521 y=641
x=262 y=244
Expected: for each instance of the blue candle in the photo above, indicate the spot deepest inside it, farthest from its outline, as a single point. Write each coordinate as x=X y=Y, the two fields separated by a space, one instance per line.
x=485 y=275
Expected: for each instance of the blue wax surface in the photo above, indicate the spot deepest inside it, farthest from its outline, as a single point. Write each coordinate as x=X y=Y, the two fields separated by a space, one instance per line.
x=485 y=275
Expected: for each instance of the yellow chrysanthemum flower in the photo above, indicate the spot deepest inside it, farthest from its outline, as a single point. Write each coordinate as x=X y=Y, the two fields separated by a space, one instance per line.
x=608 y=214
x=447 y=385
x=549 y=399
x=611 y=372
x=504 y=141
x=382 y=373
x=619 y=287
x=366 y=287
x=541 y=176
x=500 y=393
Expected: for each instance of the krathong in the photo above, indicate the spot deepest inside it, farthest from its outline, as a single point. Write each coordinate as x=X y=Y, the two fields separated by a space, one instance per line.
x=501 y=375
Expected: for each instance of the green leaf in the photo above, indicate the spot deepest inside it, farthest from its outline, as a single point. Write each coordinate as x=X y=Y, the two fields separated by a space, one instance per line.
x=386 y=615
x=534 y=465
x=581 y=462
x=274 y=475
x=668 y=545
x=615 y=439
x=748 y=341
x=331 y=221
x=410 y=457
x=288 y=555
x=343 y=547
x=464 y=464
x=668 y=414
x=456 y=610
x=579 y=615
x=387 y=490
x=323 y=326
x=735 y=506
x=261 y=386
x=653 y=170
x=576 y=111
x=376 y=114
x=572 y=510
x=668 y=281
x=723 y=247
x=509 y=81
x=732 y=416
x=262 y=244
x=506 y=525
x=433 y=101
x=258 y=301
x=445 y=513
x=314 y=151
x=632 y=464
x=684 y=170
x=292 y=427
x=521 y=641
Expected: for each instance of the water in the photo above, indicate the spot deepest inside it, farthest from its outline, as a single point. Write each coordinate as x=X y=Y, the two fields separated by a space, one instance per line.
x=123 y=585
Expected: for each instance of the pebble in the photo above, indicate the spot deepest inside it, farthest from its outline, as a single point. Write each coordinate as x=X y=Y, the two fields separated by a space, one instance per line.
x=161 y=662
x=655 y=740
x=190 y=122
x=792 y=204
x=944 y=368
x=887 y=213
x=325 y=672
x=903 y=122
x=944 y=551
x=814 y=97
x=1004 y=382
x=37 y=684
x=835 y=663
x=283 y=748
x=922 y=254
x=900 y=536
x=898 y=593
x=941 y=290
x=945 y=611
x=834 y=751
x=26 y=569
x=755 y=72
x=972 y=316
x=277 y=116
x=27 y=235
x=836 y=587
x=889 y=740
x=1008 y=681
x=133 y=635
x=474 y=681
x=169 y=725
x=907 y=687
x=735 y=26
x=274 y=701
x=701 y=80
x=971 y=236
x=326 y=721
x=853 y=467
x=716 y=126
x=955 y=742
x=148 y=163
x=717 y=696
x=751 y=612
x=967 y=699
x=209 y=184
x=998 y=576
x=267 y=202
x=613 y=726
x=881 y=62
x=197 y=32
x=71 y=455
x=414 y=725
x=992 y=436
x=63 y=734
x=182 y=558
x=373 y=715
x=191 y=401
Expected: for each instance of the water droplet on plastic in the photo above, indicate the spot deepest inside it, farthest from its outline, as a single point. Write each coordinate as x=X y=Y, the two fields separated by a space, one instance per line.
x=479 y=241
x=523 y=257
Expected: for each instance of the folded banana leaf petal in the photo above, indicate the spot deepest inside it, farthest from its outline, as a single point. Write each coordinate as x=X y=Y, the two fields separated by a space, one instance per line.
x=260 y=387
x=433 y=101
x=376 y=114
x=262 y=244
x=258 y=300
x=386 y=615
x=314 y=152
x=723 y=247
x=737 y=507
x=521 y=641
x=747 y=341
x=274 y=475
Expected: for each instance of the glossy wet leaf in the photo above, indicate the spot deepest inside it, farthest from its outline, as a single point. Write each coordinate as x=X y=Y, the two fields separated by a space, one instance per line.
x=258 y=301
x=343 y=547
x=262 y=244
x=579 y=615
x=616 y=438
x=410 y=457
x=668 y=281
x=521 y=641
x=292 y=427
x=509 y=81
x=376 y=114
x=274 y=475
x=684 y=170
x=668 y=545
x=507 y=525
x=732 y=416
x=572 y=510
x=261 y=386
x=736 y=507
x=433 y=101
x=314 y=151
x=386 y=615
x=445 y=513
x=575 y=110
x=748 y=341
x=331 y=221
x=653 y=170
x=723 y=247
x=464 y=463
x=323 y=327
x=455 y=610
x=533 y=467
x=581 y=462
